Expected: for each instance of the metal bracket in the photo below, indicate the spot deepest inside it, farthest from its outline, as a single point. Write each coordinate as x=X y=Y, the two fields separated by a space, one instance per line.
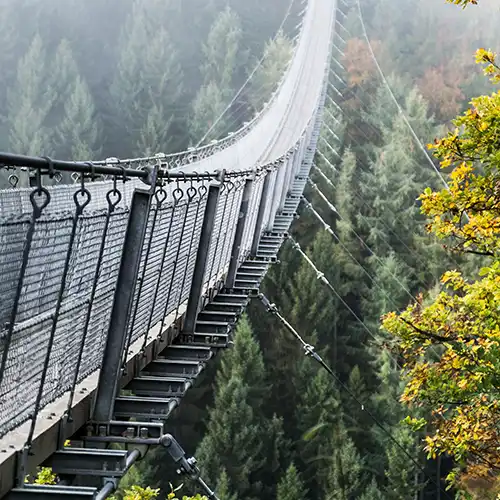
x=124 y=432
x=187 y=466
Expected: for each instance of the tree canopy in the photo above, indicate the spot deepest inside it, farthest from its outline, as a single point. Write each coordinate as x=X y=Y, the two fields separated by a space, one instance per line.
x=451 y=341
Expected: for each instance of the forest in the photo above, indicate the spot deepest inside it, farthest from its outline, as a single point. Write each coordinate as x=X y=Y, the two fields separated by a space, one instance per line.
x=410 y=321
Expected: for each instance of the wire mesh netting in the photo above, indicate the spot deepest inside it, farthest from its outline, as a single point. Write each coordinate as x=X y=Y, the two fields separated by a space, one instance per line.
x=76 y=335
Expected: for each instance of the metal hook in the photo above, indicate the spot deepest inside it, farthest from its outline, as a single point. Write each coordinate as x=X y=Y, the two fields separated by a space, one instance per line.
x=113 y=203
x=13 y=180
x=191 y=193
x=85 y=193
x=160 y=195
x=38 y=178
x=177 y=194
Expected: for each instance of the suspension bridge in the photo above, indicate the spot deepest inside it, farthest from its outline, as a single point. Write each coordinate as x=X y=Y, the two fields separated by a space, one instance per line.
x=117 y=290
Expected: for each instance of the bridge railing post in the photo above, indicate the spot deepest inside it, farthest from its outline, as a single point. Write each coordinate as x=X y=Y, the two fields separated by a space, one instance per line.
x=288 y=180
x=240 y=229
x=200 y=266
x=260 y=214
x=122 y=305
x=276 y=196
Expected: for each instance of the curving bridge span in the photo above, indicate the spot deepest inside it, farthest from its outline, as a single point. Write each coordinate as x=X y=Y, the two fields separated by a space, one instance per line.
x=116 y=291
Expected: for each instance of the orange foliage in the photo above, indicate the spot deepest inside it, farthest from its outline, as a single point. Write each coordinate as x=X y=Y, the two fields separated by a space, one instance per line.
x=359 y=63
x=442 y=92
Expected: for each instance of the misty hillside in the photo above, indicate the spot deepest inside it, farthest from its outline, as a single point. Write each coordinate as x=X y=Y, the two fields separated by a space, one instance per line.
x=82 y=80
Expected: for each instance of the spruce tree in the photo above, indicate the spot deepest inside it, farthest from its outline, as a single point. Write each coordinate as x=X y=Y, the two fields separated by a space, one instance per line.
x=208 y=106
x=332 y=138
x=400 y=471
x=396 y=177
x=372 y=492
x=316 y=413
x=276 y=451
x=358 y=422
x=245 y=360
x=148 y=82
x=346 y=477
x=222 y=488
x=74 y=116
x=9 y=41
x=29 y=103
x=222 y=51
x=291 y=486
x=223 y=58
x=239 y=437
x=233 y=440
x=277 y=55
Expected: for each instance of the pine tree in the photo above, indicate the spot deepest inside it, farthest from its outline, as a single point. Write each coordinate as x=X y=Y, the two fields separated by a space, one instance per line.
x=233 y=440
x=345 y=479
x=244 y=360
x=29 y=104
x=148 y=81
x=222 y=489
x=291 y=486
x=277 y=55
x=400 y=470
x=208 y=106
x=372 y=492
x=74 y=116
x=223 y=58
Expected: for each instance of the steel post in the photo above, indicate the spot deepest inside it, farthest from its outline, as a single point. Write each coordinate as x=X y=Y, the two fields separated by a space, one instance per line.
x=122 y=305
x=276 y=197
x=240 y=229
x=286 y=185
x=201 y=258
x=260 y=214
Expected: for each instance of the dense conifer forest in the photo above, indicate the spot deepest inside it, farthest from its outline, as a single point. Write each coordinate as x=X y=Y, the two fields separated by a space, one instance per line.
x=86 y=80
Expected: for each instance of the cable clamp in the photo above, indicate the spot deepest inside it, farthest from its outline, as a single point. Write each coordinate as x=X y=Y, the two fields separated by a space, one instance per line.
x=309 y=350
